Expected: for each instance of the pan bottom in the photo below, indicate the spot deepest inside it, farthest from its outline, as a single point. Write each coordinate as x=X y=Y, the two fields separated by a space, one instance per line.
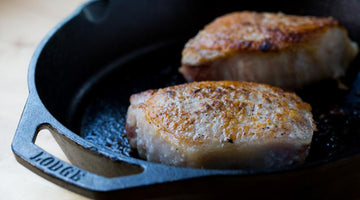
x=101 y=114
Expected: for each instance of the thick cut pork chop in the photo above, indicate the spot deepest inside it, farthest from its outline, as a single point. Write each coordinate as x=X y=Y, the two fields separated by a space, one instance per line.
x=283 y=50
x=223 y=124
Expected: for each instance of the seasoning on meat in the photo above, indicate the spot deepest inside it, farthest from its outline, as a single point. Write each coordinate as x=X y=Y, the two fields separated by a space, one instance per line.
x=277 y=49
x=225 y=124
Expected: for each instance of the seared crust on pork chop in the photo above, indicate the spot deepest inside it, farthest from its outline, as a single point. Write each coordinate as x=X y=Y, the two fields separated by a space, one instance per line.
x=283 y=50
x=221 y=124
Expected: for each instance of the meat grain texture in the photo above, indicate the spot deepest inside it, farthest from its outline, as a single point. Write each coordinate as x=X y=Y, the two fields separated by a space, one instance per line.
x=282 y=50
x=220 y=124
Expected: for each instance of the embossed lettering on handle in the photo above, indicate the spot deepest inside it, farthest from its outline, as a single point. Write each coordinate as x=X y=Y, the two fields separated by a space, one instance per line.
x=55 y=165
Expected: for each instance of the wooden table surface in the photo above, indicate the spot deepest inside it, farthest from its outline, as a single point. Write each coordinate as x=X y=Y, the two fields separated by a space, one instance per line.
x=23 y=24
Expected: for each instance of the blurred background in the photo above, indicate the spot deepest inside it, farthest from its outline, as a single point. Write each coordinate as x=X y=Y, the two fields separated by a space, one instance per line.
x=23 y=24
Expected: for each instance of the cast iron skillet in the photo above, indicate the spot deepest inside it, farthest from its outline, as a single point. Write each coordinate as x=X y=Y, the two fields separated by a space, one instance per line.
x=82 y=74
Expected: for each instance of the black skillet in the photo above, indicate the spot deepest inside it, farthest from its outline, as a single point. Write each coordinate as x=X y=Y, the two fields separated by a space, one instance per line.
x=83 y=72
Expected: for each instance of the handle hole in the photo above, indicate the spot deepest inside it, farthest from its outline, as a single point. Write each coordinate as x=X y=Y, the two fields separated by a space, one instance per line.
x=46 y=141
x=48 y=138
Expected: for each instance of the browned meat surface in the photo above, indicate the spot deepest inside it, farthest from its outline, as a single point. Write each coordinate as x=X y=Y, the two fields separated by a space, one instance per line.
x=283 y=50
x=224 y=124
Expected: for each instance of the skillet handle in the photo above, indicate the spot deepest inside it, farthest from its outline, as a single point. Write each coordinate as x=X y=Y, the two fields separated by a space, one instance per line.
x=34 y=117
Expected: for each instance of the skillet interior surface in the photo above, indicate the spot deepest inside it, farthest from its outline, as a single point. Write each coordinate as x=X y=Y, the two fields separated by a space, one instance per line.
x=95 y=71
x=100 y=117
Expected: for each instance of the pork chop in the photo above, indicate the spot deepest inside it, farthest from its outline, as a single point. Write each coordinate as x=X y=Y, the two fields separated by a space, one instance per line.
x=282 y=50
x=224 y=124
